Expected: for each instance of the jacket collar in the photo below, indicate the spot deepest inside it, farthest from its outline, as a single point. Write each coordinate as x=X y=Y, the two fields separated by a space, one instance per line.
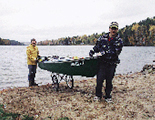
x=32 y=46
x=107 y=35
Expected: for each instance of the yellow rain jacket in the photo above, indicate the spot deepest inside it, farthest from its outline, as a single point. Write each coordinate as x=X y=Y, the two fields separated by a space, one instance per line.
x=32 y=54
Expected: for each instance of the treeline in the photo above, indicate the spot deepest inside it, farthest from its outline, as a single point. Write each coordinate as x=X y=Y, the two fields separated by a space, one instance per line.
x=137 y=34
x=75 y=40
x=9 y=42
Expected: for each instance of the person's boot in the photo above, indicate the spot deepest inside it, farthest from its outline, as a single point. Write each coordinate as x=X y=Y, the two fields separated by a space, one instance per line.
x=34 y=84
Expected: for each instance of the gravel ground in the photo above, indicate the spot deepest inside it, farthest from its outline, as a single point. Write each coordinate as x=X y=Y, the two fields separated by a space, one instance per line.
x=133 y=98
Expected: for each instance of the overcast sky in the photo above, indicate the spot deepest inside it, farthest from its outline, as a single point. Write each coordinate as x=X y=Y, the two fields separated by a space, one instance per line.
x=22 y=20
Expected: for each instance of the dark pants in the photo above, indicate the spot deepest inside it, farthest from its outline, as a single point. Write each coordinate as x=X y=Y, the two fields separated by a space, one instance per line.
x=32 y=72
x=105 y=72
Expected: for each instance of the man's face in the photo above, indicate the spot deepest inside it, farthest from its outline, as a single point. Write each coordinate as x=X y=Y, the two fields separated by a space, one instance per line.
x=113 y=31
x=33 y=43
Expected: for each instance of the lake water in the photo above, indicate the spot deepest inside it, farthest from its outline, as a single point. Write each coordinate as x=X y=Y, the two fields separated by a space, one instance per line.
x=14 y=71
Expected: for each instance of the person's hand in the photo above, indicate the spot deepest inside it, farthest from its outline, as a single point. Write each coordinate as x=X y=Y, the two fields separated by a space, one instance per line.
x=38 y=58
x=91 y=53
x=102 y=53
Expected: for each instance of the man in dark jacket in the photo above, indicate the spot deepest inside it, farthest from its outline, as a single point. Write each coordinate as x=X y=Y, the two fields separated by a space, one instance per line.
x=110 y=46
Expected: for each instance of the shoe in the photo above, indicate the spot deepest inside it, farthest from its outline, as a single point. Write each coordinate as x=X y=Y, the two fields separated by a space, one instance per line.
x=107 y=96
x=96 y=98
x=34 y=84
x=108 y=100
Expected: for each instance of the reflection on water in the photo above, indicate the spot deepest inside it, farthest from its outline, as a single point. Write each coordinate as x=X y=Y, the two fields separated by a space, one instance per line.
x=14 y=71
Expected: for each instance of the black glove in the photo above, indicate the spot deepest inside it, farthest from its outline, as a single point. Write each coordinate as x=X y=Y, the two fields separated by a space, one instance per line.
x=91 y=53
x=38 y=58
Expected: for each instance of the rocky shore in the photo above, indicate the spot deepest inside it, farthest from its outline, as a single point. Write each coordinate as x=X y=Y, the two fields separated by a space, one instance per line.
x=133 y=98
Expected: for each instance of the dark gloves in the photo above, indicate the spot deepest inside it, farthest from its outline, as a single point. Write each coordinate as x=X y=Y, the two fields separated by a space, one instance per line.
x=103 y=53
x=38 y=58
x=91 y=53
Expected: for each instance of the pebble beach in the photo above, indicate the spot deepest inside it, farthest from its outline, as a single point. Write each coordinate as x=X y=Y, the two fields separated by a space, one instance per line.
x=133 y=98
